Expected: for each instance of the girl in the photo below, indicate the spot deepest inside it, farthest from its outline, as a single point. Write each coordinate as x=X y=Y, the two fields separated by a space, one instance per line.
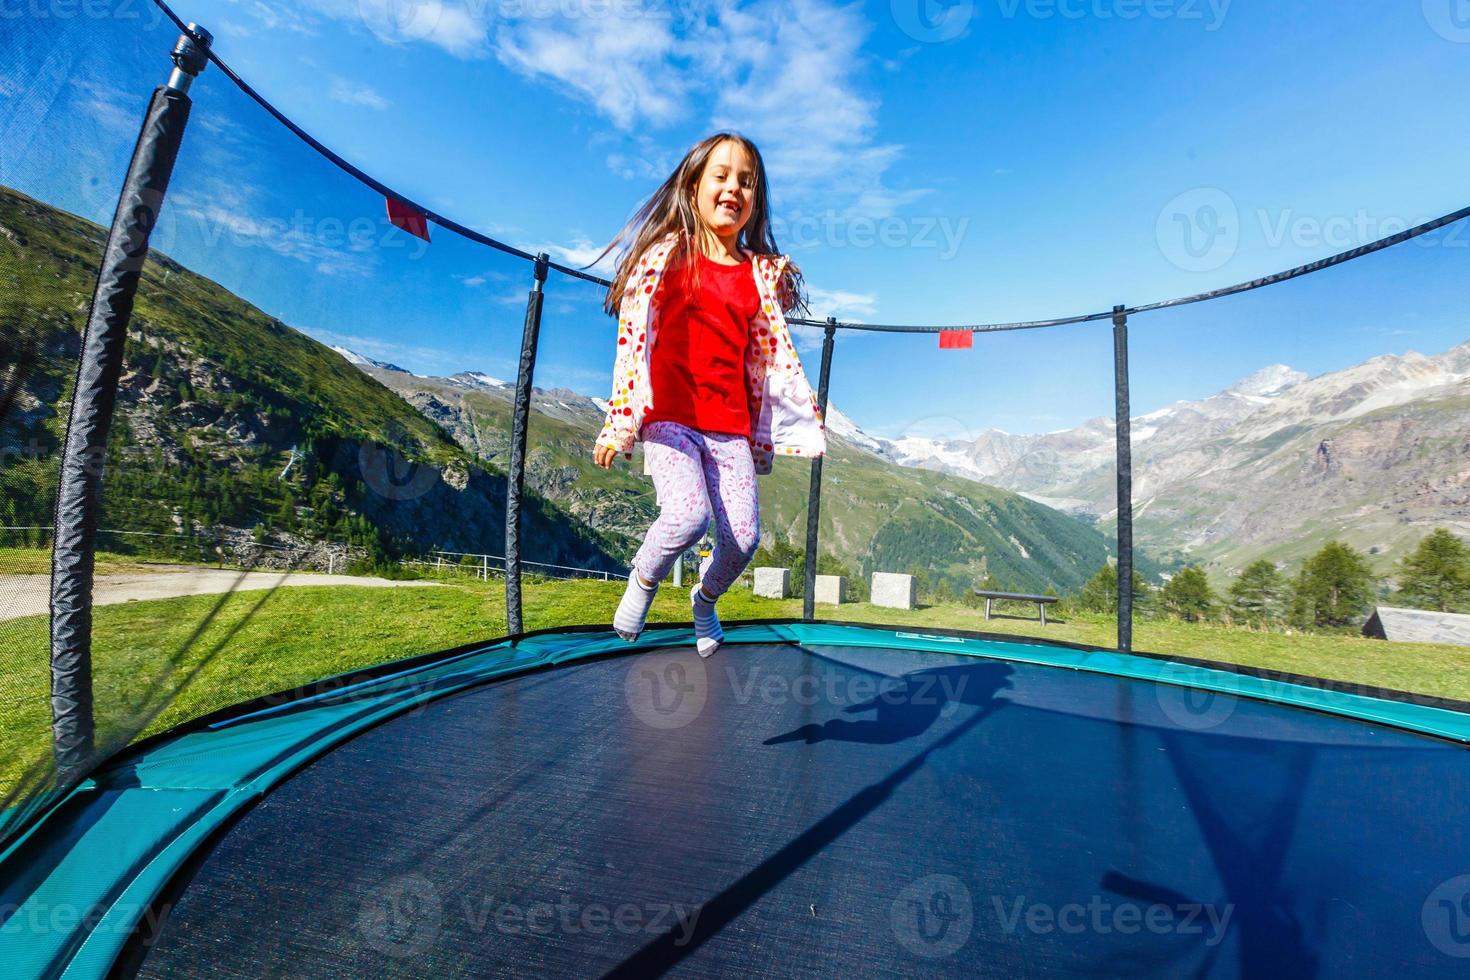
x=706 y=375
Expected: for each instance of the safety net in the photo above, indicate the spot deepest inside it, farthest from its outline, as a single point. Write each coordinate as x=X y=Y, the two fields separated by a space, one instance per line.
x=334 y=400
x=72 y=93
x=914 y=487
x=271 y=458
x=1297 y=467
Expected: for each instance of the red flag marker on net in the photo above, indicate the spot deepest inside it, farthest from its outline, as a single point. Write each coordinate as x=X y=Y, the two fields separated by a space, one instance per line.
x=956 y=340
x=410 y=219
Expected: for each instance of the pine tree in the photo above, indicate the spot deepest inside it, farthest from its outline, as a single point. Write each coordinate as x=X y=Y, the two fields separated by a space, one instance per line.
x=1188 y=595
x=1334 y=588
x=1258 y=595
x=1436 y=575
x=1100 y=593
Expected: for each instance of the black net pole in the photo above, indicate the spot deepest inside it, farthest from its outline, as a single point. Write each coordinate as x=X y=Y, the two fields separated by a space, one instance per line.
x=516 y=478
x=79 y=490
x=1122 y=414
x=814 y=495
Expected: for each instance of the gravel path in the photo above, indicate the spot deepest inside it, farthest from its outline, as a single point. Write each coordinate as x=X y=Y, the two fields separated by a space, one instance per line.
x=29 y=595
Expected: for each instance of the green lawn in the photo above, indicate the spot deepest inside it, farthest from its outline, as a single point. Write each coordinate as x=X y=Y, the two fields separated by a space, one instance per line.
x=204 y=652
x=37 y=561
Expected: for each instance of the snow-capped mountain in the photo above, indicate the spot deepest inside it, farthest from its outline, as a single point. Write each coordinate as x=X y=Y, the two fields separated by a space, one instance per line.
x=1047 y=466
x=359 y=360
x=1271 y=466
x=840 y=425
x=479 y=379
x=1375 y=453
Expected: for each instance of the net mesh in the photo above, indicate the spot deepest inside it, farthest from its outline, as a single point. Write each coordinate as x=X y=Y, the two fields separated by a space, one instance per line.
x=1293 y=446
x=74 y=93
x=931 y=474
x=307 y=467
x=316 y=421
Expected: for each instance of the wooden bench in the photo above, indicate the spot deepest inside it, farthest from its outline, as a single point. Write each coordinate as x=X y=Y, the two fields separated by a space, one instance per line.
x=1042 y=601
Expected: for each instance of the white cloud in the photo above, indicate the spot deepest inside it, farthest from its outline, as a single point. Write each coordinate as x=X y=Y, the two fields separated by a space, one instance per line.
x=280 y=17
x=639 y=156
x=106 y=107
x=422 y=359
x=842 y=304
x=356 y=94
x=578 y=254
x=623 y=65
x=230 y=28
x=512 y=296
x=215 y=123
x=636 y=167
x=225 y=213
x=480 y=278
x=786 y=74
x=445 y=24
x=793 y=88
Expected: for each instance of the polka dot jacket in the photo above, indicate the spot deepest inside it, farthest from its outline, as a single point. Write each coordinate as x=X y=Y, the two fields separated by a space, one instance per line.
x=784 y=417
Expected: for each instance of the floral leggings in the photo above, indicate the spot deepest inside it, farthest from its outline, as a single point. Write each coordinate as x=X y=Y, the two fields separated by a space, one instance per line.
x=699 y=475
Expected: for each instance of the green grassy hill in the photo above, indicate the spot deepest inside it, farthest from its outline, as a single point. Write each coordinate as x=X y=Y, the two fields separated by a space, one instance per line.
x=214 y=398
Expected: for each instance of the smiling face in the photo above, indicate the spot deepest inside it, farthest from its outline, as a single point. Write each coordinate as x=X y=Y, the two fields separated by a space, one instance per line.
x=725 y=193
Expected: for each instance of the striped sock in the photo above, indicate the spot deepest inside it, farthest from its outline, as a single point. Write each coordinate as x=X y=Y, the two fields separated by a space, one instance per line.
x=707 y=632
x=632 y=612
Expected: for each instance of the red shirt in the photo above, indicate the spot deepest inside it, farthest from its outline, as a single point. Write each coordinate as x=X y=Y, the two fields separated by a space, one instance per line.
x=698 y=363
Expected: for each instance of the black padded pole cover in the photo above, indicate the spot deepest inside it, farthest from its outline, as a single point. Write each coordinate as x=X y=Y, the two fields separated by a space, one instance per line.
x=814 y=495
x=79 y=492
x=516 y=478
x=1125 y=480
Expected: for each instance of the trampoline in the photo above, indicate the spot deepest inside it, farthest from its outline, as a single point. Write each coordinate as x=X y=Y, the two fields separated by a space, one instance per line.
x=818 y=799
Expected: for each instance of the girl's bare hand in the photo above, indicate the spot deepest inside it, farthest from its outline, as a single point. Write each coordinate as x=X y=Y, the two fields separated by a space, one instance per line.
x=603 y=456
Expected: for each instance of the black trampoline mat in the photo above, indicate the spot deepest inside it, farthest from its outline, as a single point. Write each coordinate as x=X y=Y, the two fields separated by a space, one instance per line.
x=831 y=811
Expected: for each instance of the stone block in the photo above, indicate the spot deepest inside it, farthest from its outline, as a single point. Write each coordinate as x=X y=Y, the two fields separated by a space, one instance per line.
x=894 y=591
x=773 y=583
x=831 y=590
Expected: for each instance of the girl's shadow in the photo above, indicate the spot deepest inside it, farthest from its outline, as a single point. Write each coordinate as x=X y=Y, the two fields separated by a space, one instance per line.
x=909 y=706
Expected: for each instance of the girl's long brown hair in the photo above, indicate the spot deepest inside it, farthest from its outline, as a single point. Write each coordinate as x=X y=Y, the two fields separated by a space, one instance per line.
x=671 y=208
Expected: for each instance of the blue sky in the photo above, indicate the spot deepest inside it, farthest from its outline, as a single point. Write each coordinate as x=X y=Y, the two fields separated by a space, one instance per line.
x=930 y=162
